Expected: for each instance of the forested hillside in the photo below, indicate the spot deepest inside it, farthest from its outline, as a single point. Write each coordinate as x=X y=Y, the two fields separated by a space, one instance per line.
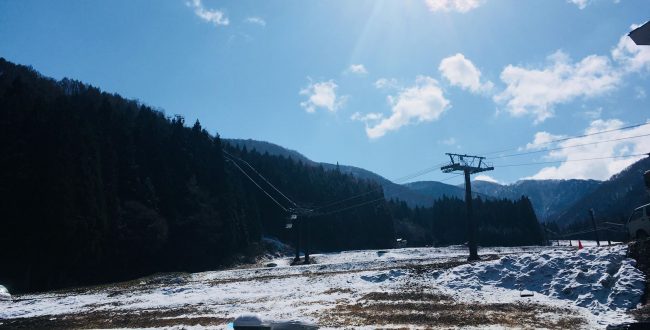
x=349 y=213
x=549 y=197
x=613 y=200
x=97 y=188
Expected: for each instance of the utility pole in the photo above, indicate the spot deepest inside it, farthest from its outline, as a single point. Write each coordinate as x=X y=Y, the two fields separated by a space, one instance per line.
x=593 y=222
x=468 y=165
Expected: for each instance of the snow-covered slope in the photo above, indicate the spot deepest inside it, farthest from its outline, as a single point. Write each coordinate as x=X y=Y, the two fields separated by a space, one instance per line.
x=600 y=279
x=414 y=288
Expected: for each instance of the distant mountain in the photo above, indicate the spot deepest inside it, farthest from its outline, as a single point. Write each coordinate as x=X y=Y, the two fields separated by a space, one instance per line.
x=409 y=193
x=549 y=197
x=435 y=189
x=613 y=199
x=270 y=148
x=564 y=201
x=392 y=190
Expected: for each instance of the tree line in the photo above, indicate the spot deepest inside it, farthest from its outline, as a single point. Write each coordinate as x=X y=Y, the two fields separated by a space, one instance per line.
x=501 y=222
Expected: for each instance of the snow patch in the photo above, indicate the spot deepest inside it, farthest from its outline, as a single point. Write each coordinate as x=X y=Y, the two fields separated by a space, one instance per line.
x=4 y=293
x=601 y=280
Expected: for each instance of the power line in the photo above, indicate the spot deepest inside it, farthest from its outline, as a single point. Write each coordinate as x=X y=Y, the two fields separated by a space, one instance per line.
x=258 y=186
x=263 y=178
x=572 y=160
x=353 y=206
x=397 y=181
x=571 y=146
x=572 y=137
x=378 y=199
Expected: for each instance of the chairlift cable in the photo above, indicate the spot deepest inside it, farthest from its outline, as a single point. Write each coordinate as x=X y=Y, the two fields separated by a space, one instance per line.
x=375 y=200
x=258 y=186
x=263 y=178
x=573 y=137
x=572 y=160
x=571 y=146
x=397 y=181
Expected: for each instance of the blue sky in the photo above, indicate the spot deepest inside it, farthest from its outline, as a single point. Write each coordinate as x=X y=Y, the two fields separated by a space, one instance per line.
x=389 y=86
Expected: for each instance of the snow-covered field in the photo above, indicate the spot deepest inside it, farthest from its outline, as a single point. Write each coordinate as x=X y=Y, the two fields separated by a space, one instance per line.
x=413 y=287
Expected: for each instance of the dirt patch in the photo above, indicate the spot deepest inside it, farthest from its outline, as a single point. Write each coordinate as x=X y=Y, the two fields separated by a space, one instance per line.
x=421 y=268
x=338 y=290
x=432 y=309
x=119 y=319
x=405 y=296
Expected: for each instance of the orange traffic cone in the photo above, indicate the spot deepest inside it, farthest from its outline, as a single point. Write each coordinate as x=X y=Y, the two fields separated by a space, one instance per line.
x=579 y=245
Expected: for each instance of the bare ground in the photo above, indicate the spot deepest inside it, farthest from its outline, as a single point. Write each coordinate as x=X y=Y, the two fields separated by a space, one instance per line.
x=435 y=310
x=119 y=319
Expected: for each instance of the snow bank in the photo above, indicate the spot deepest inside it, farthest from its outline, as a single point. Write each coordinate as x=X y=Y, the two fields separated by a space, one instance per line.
x=4 y=293
x=601 y=280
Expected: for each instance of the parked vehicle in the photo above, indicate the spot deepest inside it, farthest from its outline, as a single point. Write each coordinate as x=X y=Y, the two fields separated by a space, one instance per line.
x=638 y=225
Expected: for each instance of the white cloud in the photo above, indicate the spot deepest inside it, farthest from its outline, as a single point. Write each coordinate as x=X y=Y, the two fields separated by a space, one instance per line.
x=461 y=6
x=422 y=102
x=595 y=169
x=215 y=17
x=582 y=4
x=594 y=114
x=542 y=139
x=487 y=178
x=322 y=95
x=535 y=92
x=461 y=72
x=631 y=56
x=382 y=83
x=255 y=20
x=369 y=117
x=448 y=142
x=357 y=69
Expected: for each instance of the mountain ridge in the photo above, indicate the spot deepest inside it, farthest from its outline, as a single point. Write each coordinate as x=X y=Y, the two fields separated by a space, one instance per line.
x=552 y=199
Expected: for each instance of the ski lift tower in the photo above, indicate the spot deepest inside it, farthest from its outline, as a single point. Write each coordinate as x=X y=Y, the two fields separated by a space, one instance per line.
x=641 y=35
x=298 y=218
x=468 y=165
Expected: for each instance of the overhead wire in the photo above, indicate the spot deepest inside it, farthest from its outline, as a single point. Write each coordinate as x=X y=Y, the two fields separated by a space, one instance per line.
x=263 y=178
x=258 y=186
x=430 y=169
x=572 y=160
x=571 y=146
x=375 y=200
x=573 y=137
x=398 y=181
